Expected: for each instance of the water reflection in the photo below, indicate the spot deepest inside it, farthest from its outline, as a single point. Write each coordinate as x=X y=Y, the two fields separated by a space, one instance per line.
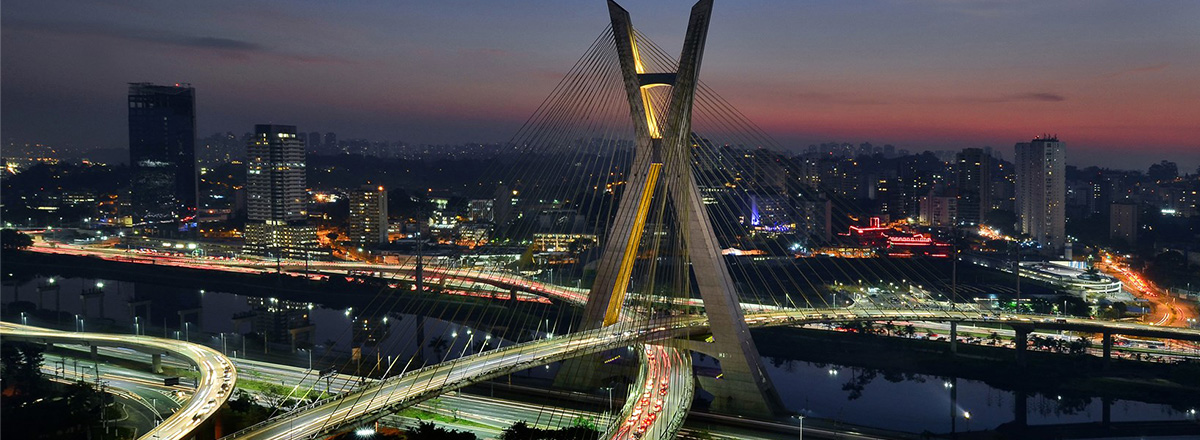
x=271 y=329
x=920 y=403
x=308 y=334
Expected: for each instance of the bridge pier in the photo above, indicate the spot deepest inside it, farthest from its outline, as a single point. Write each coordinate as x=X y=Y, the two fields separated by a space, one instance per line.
x=45 y=288
x=136 y=307
x=1107 y=347
x=296 y=333
x=1020 y=342
x=97 y=292
x=156 y=363
x=1106 y=412
x=953 y=337
x=95 y=353
x=1021 y=408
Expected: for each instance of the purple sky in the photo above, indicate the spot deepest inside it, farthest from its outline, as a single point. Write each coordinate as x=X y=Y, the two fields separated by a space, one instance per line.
x=1119 y=81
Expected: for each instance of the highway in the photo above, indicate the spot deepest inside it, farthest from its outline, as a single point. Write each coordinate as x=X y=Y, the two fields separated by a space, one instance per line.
x=217 y=375
x=1165 y=309
x=658 y=407
x=376 y=400
x=471 y=370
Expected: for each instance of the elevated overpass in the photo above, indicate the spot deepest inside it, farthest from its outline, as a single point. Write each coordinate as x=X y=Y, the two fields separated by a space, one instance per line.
x=217 y=375
x=373 y=402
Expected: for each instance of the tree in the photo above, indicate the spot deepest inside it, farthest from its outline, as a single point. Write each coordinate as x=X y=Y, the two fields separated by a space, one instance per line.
x=429 y=431
x=20 y=366
x=1079 y=346
x=11 y=239
x=439 y=345
x=1165 y=170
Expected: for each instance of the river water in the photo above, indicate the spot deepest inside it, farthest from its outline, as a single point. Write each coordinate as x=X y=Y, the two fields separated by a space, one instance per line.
x=857 y=396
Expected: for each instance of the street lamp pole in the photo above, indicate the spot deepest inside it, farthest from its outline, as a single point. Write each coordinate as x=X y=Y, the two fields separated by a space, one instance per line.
x=801 y=418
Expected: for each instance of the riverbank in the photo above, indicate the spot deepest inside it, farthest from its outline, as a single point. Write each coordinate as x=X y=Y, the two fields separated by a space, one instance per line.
x=367 y=296
x=1041 y=373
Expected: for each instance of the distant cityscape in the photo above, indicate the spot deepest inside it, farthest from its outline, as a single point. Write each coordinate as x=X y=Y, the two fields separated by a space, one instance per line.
x=281 y=182
x=639 y=259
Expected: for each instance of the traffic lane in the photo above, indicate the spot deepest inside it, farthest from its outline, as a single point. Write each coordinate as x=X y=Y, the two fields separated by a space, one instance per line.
x=209 y=394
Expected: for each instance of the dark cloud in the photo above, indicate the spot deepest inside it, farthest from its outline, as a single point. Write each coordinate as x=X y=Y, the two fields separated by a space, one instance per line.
x=219 y=43
x=231 y=48
x=1012 y=97
x=1045 y=97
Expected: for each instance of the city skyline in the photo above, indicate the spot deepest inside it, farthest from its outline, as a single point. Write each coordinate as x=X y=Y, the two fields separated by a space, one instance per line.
x=680 y=248
x=925 y=76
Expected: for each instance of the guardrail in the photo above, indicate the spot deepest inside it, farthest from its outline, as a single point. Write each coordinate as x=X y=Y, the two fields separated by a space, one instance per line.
x=666 y=327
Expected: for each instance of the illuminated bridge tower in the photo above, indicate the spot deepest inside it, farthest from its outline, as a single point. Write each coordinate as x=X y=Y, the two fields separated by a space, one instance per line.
x=663 y=152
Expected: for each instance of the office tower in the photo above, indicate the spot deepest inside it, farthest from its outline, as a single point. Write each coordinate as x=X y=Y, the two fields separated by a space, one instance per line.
x=973 y=167
x=481 y=210
x=331 y=143
x=162 y=157
x=314 y=141
x=1122 y=223
x=938 y=211
x=276 y=198
x=770 y=212
x=368 y=216
x=815 y=223
x=1042 y=190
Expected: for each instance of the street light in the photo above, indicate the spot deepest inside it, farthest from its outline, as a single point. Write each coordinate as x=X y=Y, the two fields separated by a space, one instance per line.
x=309 y=351
x=801 y=418
x=187 y=326
x=24 y=320
x=967 y=417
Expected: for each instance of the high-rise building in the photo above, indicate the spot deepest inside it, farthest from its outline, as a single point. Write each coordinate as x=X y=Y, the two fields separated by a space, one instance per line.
x=368 y=216
x=938 y=211
x=331 y=143
x=481 y=210
x=162 y=156
x=314 y=141
x=1122 y=223
x=276 y=197
x=1042 y=191
x=973 y=167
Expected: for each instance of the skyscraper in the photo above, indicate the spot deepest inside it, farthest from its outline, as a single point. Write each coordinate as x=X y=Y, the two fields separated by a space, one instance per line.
x=162 y=156
x=1122 y=223
x=314 y=142
x=1042 y=191
x=331 y=144
x=368 y=216
x=973 y=167
x=276 y=197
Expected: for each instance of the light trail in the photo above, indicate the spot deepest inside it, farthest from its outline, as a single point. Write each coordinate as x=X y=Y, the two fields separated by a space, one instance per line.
x=217 y=375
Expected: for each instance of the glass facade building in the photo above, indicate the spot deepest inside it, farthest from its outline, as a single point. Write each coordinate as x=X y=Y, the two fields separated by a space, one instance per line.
x=162 y=156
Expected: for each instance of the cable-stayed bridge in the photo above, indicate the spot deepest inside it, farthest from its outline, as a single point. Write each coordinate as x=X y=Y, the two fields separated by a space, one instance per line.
x=634 y=178
x=411 y=387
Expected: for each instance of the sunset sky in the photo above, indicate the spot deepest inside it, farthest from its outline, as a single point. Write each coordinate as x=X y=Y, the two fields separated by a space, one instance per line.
x=1119 y=81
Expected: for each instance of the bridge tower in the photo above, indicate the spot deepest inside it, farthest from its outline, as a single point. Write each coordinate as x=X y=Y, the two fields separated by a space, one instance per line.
x=663 y=152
